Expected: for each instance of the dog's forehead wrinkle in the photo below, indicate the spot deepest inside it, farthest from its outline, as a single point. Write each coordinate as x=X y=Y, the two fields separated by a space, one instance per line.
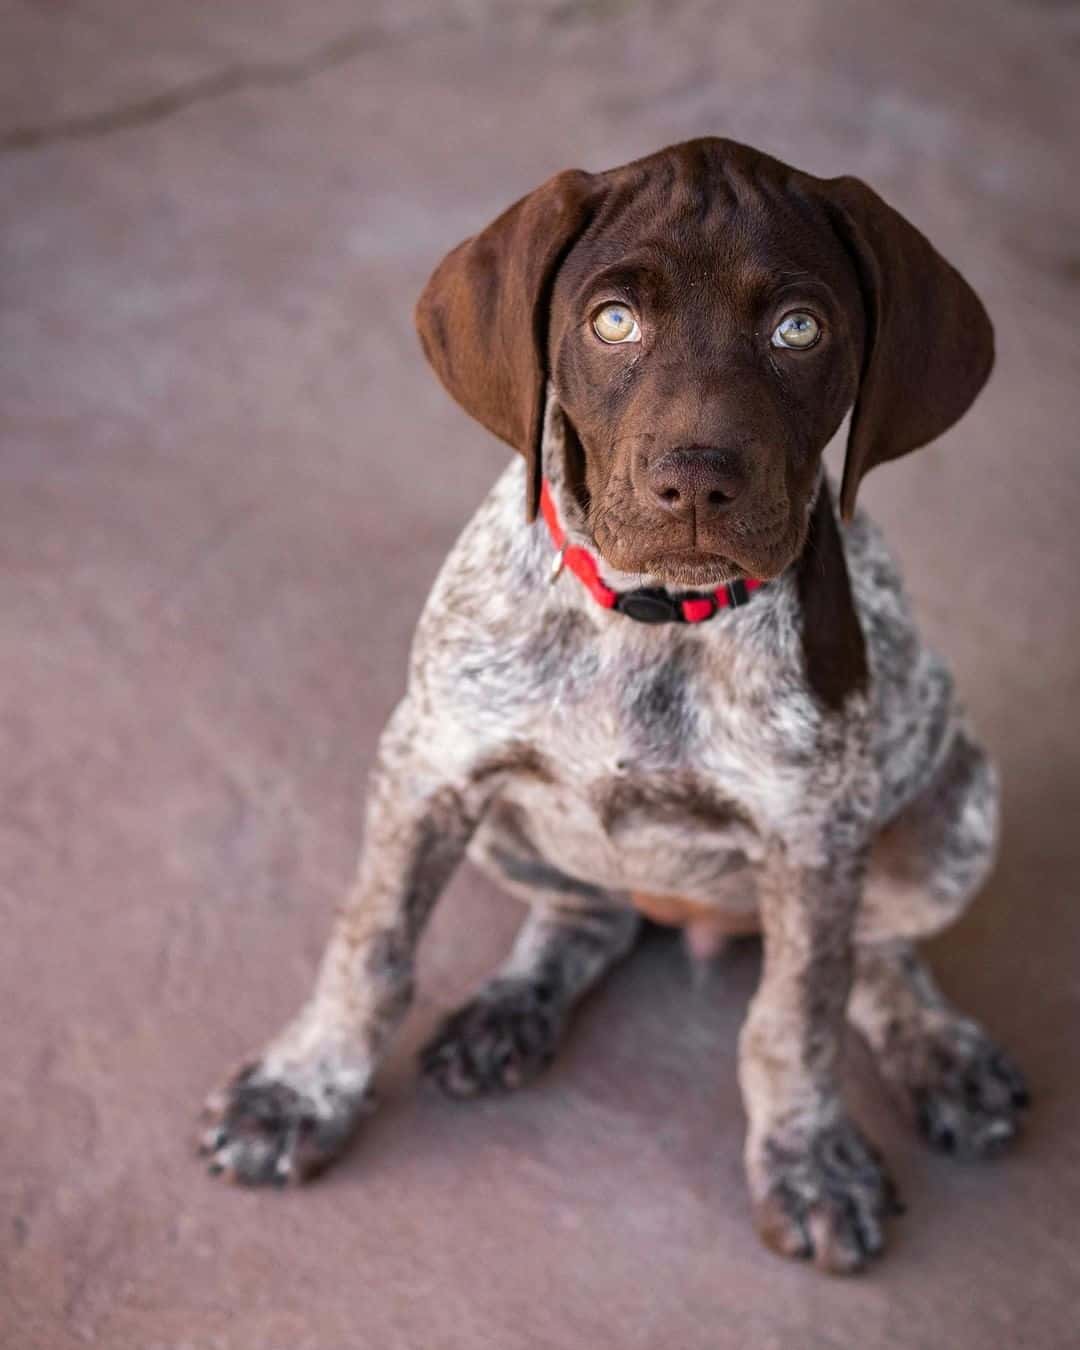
x=727 y=271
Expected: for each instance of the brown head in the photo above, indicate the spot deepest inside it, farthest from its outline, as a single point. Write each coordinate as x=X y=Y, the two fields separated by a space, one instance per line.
x=706 y=317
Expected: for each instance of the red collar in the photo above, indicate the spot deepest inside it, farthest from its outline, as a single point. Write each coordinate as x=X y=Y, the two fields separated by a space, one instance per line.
x=648 y=604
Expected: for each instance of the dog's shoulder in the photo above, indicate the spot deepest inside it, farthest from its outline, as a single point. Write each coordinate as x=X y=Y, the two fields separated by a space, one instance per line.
x=495 y=637
x=491 y=581
x=877 y=581
x=915 y=708
x=894 y=645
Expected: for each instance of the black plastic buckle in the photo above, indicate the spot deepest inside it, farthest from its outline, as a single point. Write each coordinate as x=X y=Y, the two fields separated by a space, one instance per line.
x=737 y=593
x=650 y=605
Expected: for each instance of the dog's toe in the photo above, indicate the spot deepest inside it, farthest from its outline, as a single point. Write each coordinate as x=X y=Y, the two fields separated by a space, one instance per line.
x=498 y=1042
x=260 y=1131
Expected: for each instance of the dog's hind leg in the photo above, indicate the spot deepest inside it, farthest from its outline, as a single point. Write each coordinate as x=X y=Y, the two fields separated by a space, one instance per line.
x=965 y=1094
x=509 y=1032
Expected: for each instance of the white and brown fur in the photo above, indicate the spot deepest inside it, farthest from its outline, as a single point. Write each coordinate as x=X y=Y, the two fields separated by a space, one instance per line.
x=585 y=760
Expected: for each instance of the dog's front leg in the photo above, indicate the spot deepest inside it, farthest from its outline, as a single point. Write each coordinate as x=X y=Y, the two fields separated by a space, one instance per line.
x=818 y=1187
x=290 y=1112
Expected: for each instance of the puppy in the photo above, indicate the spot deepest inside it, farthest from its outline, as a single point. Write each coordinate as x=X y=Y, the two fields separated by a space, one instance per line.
x=680 y=686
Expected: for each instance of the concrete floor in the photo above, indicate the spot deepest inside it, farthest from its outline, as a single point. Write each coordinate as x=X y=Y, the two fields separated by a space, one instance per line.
x=227 y=482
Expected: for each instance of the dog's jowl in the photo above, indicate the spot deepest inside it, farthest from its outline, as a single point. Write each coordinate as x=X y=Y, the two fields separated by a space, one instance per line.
x=750 y=733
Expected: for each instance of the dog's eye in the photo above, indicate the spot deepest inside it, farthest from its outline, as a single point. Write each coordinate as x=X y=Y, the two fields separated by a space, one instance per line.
x=616 y=323
x=796 y=330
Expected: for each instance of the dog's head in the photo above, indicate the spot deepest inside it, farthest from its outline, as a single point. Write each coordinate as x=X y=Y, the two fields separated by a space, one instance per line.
x=706 y=317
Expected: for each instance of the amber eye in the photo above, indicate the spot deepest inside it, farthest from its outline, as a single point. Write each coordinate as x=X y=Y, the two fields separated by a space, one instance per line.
x=616 y=323
x=796 y=330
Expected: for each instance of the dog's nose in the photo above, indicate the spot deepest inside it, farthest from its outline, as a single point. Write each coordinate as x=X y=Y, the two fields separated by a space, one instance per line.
x=700 y=481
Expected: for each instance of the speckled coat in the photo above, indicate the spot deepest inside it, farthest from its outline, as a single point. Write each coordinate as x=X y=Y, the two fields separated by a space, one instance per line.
x=714 y=774
x=582 y=757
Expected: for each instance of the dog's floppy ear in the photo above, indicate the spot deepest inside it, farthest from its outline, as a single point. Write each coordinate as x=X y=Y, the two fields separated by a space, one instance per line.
x=483 y=316
x=929 y=345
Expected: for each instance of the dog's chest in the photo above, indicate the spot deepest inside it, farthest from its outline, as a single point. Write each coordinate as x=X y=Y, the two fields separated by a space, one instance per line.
x=656 y=755
x=721 y=702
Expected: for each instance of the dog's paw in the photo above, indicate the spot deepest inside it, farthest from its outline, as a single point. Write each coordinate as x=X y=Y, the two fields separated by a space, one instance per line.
x=967 y=1096
x=260 y=1130
x=498 y=1042
x=826 y=1199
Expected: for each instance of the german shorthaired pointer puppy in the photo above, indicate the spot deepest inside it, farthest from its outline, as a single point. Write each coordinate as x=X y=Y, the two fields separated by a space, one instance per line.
x=679 y=687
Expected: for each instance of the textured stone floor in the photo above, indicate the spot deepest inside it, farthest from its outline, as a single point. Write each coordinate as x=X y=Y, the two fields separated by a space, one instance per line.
x=226 y=482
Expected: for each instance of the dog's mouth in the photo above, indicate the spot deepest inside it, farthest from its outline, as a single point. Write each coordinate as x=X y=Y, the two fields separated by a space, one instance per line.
x=705 y=569
x=760 y=547
x=693 y=568
x=680 y=568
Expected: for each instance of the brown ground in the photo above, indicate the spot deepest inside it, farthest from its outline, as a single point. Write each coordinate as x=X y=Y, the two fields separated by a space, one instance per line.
x=228 y=480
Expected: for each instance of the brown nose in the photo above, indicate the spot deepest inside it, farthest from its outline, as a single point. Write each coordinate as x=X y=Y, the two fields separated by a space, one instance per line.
x=698 y=481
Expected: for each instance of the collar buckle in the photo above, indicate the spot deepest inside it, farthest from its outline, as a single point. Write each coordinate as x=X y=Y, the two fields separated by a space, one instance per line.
x=649 y=605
